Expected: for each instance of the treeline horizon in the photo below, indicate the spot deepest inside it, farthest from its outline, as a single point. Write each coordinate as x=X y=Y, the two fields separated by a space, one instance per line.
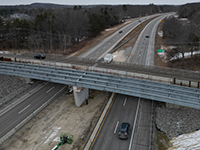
x=52 y=28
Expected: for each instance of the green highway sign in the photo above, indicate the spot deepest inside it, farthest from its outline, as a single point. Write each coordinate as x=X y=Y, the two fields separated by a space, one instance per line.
x=160 y=50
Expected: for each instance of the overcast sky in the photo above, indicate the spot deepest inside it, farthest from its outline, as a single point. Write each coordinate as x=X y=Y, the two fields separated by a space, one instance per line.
x=91 y=2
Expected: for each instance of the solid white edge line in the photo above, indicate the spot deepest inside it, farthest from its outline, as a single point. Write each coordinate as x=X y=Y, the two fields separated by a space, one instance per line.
x=130 y=145
x=9 y=108
x=116 y=127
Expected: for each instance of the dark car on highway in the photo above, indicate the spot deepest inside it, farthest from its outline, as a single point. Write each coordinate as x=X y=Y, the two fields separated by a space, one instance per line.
x=124 y=130
x=120 y=31
x=40 y=56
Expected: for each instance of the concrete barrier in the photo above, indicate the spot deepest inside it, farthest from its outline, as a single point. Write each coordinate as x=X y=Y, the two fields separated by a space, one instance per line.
x=94 y=133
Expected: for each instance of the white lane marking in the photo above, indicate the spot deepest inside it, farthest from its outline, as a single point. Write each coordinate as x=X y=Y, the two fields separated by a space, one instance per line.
x=24 y=109
x=9 y=108
x=34 y=111
x=50 y=89
x=134 y=125
x=116 y=127
x=125 y=102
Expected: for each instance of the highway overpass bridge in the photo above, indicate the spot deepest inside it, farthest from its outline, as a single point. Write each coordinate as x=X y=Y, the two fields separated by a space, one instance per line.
x=164 y=92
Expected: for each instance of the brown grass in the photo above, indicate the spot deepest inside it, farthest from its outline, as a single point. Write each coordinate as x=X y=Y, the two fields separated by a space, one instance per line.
x=159 y=61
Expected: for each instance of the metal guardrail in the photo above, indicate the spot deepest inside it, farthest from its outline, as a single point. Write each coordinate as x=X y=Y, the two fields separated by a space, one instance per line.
x=189 y=97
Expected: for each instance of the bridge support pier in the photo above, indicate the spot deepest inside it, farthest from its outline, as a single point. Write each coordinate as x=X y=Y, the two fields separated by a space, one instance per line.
x=28 y=80
x=80 y=95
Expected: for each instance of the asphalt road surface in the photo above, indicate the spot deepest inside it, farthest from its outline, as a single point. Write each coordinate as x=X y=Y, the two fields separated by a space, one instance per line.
x=143 y=51
x=129 y=109
x=123 y=110
x=12 y=115
x=108 y=43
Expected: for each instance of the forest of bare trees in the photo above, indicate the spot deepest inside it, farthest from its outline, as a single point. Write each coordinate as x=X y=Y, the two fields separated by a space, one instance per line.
x=183 y=34
x=52 y=27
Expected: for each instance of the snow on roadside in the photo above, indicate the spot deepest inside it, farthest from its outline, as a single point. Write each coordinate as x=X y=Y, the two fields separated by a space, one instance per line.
x=190 y=141
x=127 y=22
x=187 y=54
x=52 y=135
x=179 y=55
x=160 y=33
x=110 y=29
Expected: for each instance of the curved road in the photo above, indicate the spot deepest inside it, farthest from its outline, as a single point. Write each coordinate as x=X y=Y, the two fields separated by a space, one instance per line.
x=110 y=42
x=143 y=51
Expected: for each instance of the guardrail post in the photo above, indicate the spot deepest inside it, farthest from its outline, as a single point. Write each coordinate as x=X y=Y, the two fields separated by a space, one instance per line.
x=174 y=81
x=189 y=83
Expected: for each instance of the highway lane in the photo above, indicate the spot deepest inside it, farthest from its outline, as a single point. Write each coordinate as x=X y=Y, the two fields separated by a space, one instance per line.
x=13 y=116
x=27 y=107
x=123 y=110
x=108 y=43
x=143 y=51
x=142 y=136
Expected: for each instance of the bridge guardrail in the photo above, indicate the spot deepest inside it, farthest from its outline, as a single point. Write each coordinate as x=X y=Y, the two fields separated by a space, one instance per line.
x=159 y=74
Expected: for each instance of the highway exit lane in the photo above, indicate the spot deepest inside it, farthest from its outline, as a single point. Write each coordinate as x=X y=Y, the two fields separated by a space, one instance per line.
x=14 y=116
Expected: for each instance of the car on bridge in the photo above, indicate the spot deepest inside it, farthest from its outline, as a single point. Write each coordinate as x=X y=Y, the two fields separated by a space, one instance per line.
x=124 y=130
x=40 y=56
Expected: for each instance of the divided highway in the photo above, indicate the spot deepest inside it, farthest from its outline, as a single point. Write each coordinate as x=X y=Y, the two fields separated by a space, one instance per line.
x=110 y=42
x=143 y=51
x=14 y=114
x=137 y=112
x=122 y=110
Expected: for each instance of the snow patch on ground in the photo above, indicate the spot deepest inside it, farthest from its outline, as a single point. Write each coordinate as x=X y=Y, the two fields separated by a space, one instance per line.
x=190 y=141
x=187 y=54
x=127 y=22
x=160 y=33
x=179 y=55
x=110 y=29
x=115 y=54
x=52 y=135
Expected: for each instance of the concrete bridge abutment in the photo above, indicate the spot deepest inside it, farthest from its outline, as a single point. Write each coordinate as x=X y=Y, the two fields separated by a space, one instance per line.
x=80 y=95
